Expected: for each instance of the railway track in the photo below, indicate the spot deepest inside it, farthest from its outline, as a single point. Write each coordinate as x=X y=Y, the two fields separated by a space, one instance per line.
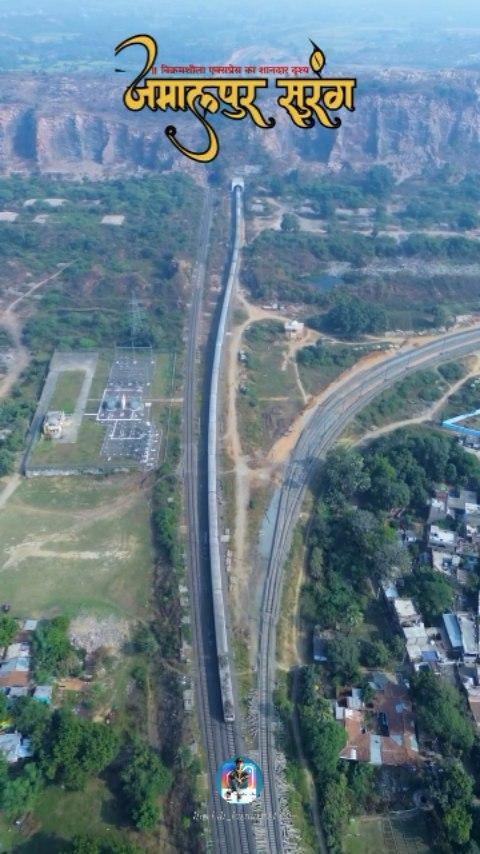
x=230 y=829
x=324 y=427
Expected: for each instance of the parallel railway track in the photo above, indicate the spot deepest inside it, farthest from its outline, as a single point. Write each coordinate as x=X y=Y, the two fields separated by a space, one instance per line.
x=230 y=829
x=324 y=427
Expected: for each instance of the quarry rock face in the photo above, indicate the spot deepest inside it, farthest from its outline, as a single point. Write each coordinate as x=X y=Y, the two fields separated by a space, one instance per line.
x=79 y=127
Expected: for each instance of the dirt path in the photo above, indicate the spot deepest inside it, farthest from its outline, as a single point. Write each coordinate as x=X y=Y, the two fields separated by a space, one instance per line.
x=427 y=414
x=246 y=477
x=12 y=483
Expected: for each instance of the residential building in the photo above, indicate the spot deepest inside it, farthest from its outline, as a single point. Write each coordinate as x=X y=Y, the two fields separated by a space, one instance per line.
x=462 y=634
x=14 y=746
x=406 y=613
x=382 y=733
x=43 y=693
x=15 y=673
x=294 y=329
x=441 y=538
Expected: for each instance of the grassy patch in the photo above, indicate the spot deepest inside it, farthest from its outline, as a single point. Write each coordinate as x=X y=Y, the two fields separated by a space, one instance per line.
x=243 y=671
x=70 y=556
x=67 y=389
x=165 y=382
x=85 y=451
x=320 y=364
x=62 y=815
x=102 y=370
x=371 y=834
x=286 y=633
x=270 y=398
x=299 y=804
x=405 y=399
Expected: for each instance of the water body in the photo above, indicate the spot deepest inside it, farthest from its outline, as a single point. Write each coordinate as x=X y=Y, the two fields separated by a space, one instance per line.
x=326 y=282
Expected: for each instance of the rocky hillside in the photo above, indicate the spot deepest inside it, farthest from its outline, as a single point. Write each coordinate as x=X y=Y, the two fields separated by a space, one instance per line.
x=78 y=126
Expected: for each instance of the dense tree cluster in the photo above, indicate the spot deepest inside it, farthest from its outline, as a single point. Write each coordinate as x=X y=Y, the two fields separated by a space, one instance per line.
x=432 y=592
x=52 y=652
x=417 y=459
x=451 y=788
x=166 y=512
x=144 y=779
x=441 y=713
x=8 y=629
x=350 y=317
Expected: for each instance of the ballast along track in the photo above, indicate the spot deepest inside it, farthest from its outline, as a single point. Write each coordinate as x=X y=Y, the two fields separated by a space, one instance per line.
x=324 y=427
x=230 y=827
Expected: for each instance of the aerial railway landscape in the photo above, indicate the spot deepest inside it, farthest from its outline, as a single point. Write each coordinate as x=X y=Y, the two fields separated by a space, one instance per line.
x=240 y=428
x=218 y=706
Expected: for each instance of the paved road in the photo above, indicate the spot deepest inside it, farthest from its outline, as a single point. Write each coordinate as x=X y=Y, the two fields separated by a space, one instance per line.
x=324 y=427
x=230 y=828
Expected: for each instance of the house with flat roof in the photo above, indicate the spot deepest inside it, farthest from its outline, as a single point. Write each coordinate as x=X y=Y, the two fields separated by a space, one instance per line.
x=43 y=693
x=14 y=746
x=406 y=613
x=441 y=538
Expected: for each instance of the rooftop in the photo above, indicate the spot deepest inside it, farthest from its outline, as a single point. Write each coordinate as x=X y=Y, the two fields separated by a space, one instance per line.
x=396 y=744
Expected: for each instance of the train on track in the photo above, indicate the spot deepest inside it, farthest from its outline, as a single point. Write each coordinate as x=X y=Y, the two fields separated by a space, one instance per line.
x=221 y=637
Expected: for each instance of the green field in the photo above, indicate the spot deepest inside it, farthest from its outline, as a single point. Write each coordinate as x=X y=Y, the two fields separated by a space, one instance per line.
x=67 y=389
x=63 y=815
x=85 y=451
x=402 y=834
x=76 y=544
x=271 y=397
x=320 y=365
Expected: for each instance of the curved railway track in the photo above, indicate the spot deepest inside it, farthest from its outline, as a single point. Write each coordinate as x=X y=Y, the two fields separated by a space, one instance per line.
x=325 y=425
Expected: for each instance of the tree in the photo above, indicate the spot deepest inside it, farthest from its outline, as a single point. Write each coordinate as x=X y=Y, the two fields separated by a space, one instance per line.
x=31 y=719
x=343 y=663
x=457 y=822
x=53 y=654
x=74 y=749
x=441 y=713
x=8 y=629
x=350 y=317
x=144 y=778
x=86 y=845
x=3 y=708
x=315 y=563
x=452 y=791
x=343 y=476
x=144 y=641
x=290 y=223
x=336 y=812
x=379 y=182
x=19 y=794
x=362 y=785
x=374 y=654
x=433 y=592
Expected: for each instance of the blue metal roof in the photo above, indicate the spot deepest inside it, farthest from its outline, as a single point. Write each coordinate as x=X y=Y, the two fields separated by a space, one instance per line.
x=453 y=630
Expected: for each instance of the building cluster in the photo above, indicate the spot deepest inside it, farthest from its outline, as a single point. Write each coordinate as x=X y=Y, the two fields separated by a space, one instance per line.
x=16 y=681
x=382 y=731
x=453 y=530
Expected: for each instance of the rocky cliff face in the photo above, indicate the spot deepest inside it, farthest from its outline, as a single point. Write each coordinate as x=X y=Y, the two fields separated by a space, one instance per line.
x=75 y=127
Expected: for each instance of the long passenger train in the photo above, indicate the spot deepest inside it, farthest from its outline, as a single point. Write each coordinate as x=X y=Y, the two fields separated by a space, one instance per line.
x=223 y=658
